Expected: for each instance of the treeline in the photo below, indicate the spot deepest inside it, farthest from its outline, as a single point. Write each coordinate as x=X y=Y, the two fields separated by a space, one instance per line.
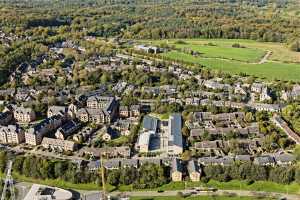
x=258 y=20
x=43 y=168
x=252 y=172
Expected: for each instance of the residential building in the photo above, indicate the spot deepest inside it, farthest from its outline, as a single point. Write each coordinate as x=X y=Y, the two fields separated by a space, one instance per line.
x=58 y=144
x=24 y=115
x=66 y=130
x=11 y=134
x=123 y=151
x=35 y=134
x=176 y=170
x=124 y=111
x=264 y=160
x=55 y=110
x=194 y=170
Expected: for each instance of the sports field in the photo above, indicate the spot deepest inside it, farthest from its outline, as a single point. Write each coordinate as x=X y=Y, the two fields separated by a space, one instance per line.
x=219 y=54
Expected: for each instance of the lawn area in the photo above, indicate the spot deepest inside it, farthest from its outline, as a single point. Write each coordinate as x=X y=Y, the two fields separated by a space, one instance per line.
x=280 y=51
x=265 y=186
x=199 y=198
x=218 y=54
x=225 y=51
x=269 y=70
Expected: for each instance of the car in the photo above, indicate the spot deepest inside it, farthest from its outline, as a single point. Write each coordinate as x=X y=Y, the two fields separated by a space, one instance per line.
x=160 y=191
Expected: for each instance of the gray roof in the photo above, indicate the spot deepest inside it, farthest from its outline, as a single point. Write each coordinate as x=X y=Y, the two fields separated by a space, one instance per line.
x=263 y=160
x=176 y=165
x=192 y=166
x=111 y=164
x=175 y=136
x=243 y=158
x=284 y=158
x=150 y=123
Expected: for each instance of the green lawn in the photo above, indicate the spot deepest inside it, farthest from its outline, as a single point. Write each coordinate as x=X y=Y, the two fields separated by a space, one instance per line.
x=200 y=198
x=269 y=70
x=265 y=186
x=218 y=54
x=225 y=51
x=280 y=51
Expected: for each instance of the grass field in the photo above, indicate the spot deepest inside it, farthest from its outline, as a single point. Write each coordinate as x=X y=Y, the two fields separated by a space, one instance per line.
x=265 y=186
x=200 y=198
x=282 y=64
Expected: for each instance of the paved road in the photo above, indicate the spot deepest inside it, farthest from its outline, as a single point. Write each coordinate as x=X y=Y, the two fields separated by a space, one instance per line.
x=90 y=195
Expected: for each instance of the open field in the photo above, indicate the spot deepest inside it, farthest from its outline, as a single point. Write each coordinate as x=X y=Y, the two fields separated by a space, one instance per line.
x=200 y=198
x=265 y=186
x=218 y=54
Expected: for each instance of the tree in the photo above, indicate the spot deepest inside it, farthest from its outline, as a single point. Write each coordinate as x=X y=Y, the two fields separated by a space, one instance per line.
x=249 y=117
x=2 y=161
x=113 y=177
x=295 y=46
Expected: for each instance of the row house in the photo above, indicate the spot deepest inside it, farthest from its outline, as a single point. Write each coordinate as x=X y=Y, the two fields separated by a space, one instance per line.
x=11 y=134
x=24 y=115
x=66 y=130
x=34 y=135
x=58 y=144
x=132 y=111
x=55 y=110
x=96 y=116
x=123 y=151
x=194 y=171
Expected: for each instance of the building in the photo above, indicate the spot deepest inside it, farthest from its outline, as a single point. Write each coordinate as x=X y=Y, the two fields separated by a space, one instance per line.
x=148 y=49
x=58 y=144
x=265 y=94
x=176 y=170
x=66 y=130
x=278 y=121
x=24 y=115
x=55 y=110
x=123 y=151
x=35 y=134
x=264 y=160
x=150 y=124
x=124 y=112
x=144 y=141
x=194 y=170
x=11 y=134
x=135 y=111
x=175 y=145
x=43 y=192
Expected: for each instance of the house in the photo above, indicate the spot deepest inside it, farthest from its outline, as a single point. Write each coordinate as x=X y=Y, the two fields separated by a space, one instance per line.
x=284 y=159
x=96 y=116
x=55 y=110
x=83 y=134
x=257 y=87
x=175 y=145
x=66 y=130
x=135 y=110
x=124 y=112
x=145 y=160
x=58 y=144
x=176 y=170
x=264 y=160
x=129 y=163
x=24 y=115
x=112 y=164
x=99 y=110
x=123 y=151
x=194 y=170
x=123 y=126
x=94 y=165
x=108 y=133
x=242 y=158
x=11 y=134
x=265 y=94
